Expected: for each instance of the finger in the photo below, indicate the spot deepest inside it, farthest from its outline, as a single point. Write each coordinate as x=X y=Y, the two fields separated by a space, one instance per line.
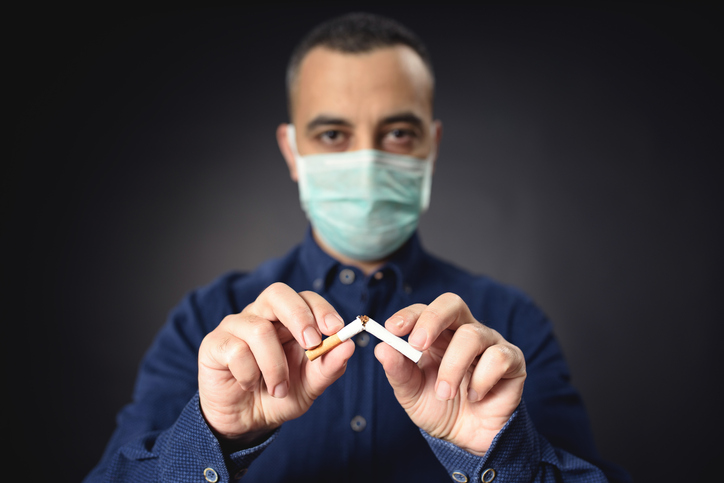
x=283 y=334
x=261 y=338
x=242 y=364
x=402 y=321
x=448 y=311
x=499 y=363
x=279 y=302
x=331 y=366
x=221 y=351
x=468 y=342
x=404 y=376
x=328 y=320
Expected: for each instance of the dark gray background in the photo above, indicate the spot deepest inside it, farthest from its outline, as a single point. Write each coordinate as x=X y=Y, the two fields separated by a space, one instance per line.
x=581 y=161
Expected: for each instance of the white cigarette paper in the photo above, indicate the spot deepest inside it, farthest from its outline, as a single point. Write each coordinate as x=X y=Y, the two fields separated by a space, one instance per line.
x=355 y=327
x=350 y=330
x=346 y=332
x=386 y=336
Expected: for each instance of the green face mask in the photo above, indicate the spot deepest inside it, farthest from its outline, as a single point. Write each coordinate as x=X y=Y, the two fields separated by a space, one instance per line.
x=364 y=204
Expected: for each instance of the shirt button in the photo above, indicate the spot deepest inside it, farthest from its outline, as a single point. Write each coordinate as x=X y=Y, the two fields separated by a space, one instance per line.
x=318 y=284
x=407 y=289
x=346 y=276
x=363 y=339
x=488 y=475
x=210 y=475
x=379 y=276
x=358 y=423
x=460 y=476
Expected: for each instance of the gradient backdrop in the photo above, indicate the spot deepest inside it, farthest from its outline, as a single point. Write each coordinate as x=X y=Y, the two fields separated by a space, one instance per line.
x=581 y=161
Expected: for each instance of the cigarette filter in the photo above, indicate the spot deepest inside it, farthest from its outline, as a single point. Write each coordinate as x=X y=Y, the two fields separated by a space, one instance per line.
x=346 y=332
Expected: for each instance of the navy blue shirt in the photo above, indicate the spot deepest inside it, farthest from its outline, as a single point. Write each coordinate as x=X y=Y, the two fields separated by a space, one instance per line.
x=356 y=431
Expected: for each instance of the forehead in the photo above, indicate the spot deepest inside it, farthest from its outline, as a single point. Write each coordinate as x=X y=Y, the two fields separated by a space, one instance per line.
x=379 y=82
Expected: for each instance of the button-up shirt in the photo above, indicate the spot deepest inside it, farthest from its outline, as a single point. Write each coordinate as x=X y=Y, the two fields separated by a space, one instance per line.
x=356 y=431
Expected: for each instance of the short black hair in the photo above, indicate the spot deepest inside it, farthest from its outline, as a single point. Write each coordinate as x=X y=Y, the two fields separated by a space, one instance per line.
x=355 y=33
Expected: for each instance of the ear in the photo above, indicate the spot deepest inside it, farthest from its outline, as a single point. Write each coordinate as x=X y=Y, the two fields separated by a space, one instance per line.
x=286 y=150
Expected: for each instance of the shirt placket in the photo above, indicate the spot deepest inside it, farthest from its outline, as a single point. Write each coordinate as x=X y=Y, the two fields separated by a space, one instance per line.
x=352 y=294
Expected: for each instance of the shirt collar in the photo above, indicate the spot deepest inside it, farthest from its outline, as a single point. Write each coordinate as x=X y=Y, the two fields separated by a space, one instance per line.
x=406 y=263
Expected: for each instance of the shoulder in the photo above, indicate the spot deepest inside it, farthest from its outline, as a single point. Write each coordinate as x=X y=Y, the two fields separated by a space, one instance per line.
x=235 y=289
x=474 y=288
x=491 y=302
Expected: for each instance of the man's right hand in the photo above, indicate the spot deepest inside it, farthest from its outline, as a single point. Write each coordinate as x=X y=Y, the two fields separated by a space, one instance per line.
x=253 y=373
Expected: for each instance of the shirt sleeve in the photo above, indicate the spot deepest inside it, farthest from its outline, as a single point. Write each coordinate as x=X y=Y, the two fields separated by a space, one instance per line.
x=548 y=438
x=186 y=452
x=518 y=454
x=162 y=435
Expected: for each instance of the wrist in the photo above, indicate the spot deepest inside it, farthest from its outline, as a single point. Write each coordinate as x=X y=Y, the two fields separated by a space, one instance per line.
x=231 y=441
x=248 y=440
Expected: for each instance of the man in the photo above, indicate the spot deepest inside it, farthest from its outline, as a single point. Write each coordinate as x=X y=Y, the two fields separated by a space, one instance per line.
x=226 y=391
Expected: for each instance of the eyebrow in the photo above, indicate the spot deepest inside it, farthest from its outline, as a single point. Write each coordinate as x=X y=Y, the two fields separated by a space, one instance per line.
x=323 y=120
x=404 y=117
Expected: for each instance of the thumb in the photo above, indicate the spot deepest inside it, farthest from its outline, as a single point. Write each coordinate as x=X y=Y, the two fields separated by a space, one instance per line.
x=322 y=372
x=405 y=377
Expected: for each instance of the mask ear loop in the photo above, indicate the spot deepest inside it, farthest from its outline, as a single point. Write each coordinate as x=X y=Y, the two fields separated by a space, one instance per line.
x=292 y=139
x=427 y=174
x=301 y=163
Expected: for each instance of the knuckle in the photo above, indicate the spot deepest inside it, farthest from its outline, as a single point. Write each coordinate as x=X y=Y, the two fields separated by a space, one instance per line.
x=493 y=333
x=414 y=309
x=214 y=338
x=468 y=332
x=223 y=344
x=230 y=319
x=245 y=312
x=249 y=379
x=453 y=362
x=410 y=314
x=234 y=351
x=301 y=315
x=453 y=299
x=433 y=316
x=275 y=289
x=519 y=361
x=315 y=301
x=262 y=329
x=502 y=355
x=247 y=385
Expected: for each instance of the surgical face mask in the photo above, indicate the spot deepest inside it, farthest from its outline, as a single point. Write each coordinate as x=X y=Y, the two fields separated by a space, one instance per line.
x=364 y=204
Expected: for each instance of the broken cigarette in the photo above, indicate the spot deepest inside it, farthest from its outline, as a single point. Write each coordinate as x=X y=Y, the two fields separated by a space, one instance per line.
x=386 y=336
x=359 y=324
x=346 y=332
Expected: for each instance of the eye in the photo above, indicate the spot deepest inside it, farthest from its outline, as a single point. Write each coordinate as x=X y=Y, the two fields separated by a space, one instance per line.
x=400 y=140
x=401 y=135
x=331 y=136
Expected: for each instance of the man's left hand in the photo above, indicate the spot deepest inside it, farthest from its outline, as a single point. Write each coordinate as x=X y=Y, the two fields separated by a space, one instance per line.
x=469 y=380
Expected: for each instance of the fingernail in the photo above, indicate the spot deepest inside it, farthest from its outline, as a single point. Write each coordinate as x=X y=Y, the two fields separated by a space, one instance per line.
x=398 y=321
x=333 y=322
x=280 y=390
x=473 y=395
x=311 y=337
x=443 y=391
x=418 y=338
